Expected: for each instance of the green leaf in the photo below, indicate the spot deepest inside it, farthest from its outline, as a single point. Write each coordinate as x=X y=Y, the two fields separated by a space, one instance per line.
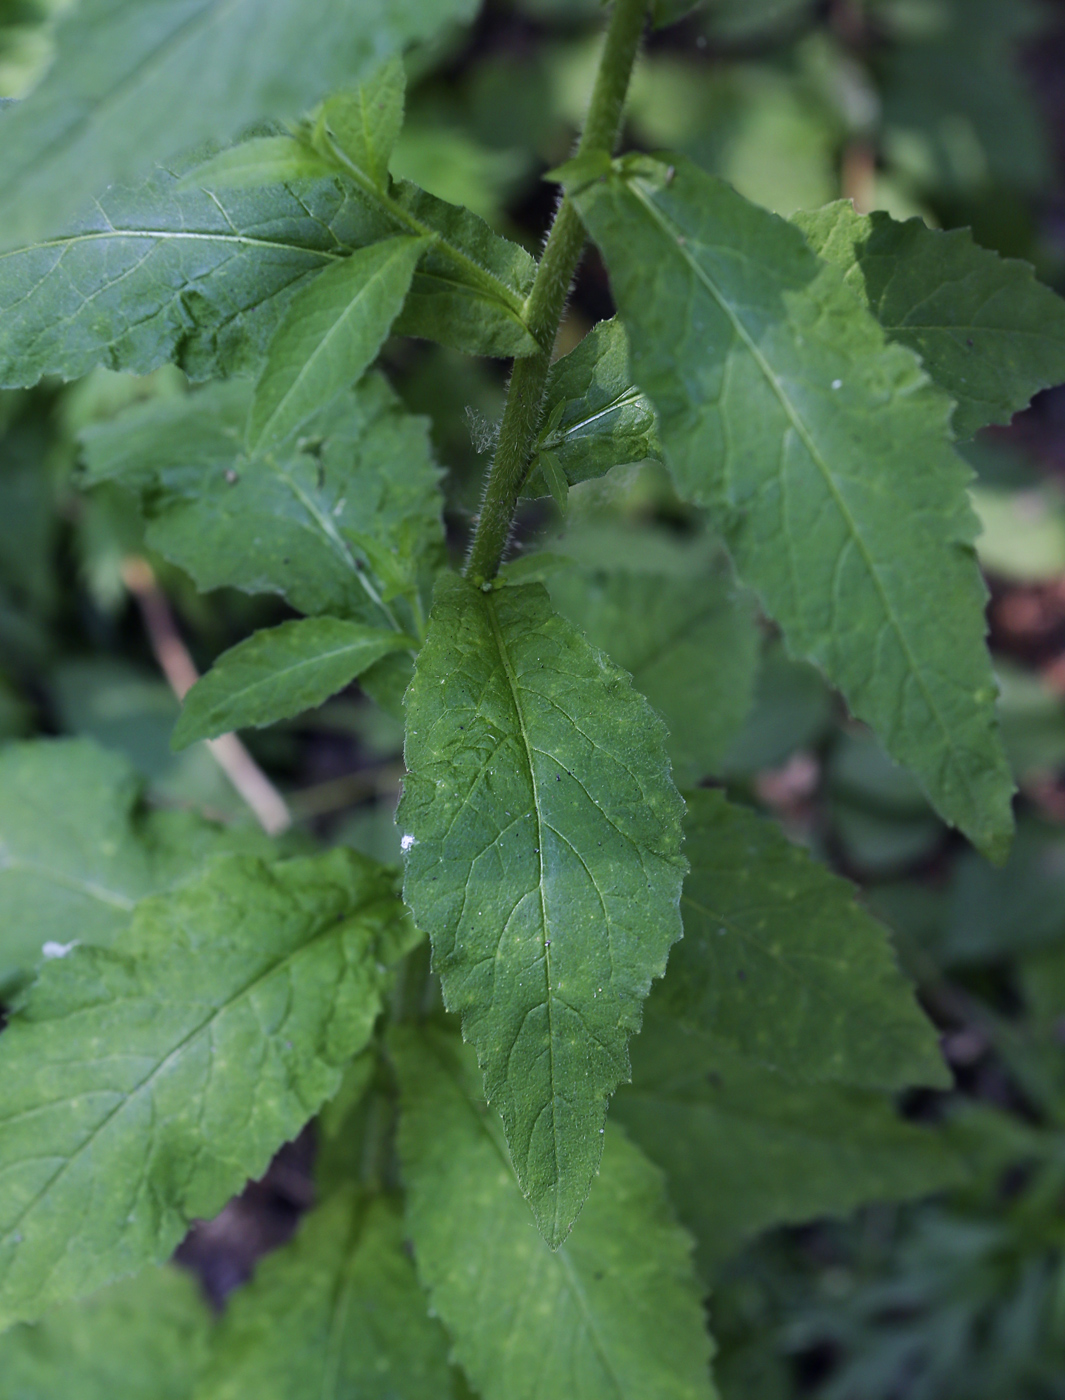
x=146 y=1336
x=331 y=333
x=162 y=271
x=253 y=164
x=594 y=416
x=365 y=124
x=987 y=331
x=614 y=1314
x=279 y=673
x=543 y=858
x=77 y=852
x=295 y=522
x=136 y=81
x=783 y=966
x=337 y=1313
x=822 y=452
x=691 y=646
x=153 y=1078
x=743 y=1148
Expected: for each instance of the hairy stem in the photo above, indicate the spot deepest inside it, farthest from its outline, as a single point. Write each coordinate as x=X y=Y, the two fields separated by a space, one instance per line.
x=547 y=300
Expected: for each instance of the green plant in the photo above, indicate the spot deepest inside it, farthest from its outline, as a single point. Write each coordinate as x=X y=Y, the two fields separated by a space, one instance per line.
x=205 y=992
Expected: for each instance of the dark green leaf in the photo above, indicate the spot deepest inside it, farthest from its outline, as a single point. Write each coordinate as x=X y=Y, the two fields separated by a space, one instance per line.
x=543 y=836
x=153 y=1078
x=279 y=673
x=823 y=453
x=136 y=81
x=331 y=333
x=309 y=522
x=690 y=644
x=782 y=965
x=987 y=331
x=744 y=1148
x=614 y=1314
x=336 y=1314
x=594 y=416
x=146 y=1336
x=76 y=852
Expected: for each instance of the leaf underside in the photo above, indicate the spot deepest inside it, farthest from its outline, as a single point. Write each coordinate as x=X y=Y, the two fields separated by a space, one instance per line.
x=544 y=861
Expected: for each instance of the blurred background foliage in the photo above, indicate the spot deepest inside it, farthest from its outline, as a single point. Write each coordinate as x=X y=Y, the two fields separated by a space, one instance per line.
x=950 y=110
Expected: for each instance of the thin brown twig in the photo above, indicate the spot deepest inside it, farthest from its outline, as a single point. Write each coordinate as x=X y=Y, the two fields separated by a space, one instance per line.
x=269 y=807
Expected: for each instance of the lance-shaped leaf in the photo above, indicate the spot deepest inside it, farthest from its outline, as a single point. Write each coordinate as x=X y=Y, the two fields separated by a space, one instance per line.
x=987 y=331
x=153 y=1078
x=144 y=1336
x=594 y=416
x=744 y=1148
x=781 y=964
x=136 y=81
x=614 y=1314
x=77 y=852
x=281 y=672
x=318 y=522
x=691 y=646
x=335 y=1314
x=165 y=272
x=543 y=858
x=365 y=124
x=823 y=453
x=331 y=333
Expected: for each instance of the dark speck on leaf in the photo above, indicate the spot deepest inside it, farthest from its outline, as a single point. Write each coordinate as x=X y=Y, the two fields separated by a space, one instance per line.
x=742 y=975
x=969 y=343
x=714 y=1078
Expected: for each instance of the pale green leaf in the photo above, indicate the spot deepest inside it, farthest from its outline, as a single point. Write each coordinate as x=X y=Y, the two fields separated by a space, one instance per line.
x=987 y=331
x=295 y=522
x=77 y=852
x=744 y=1148
x=161 y=272
x=594 y=416
x=690 y=644
x=331 y=333
x=337 y=1314
x=146 y=1336
x=255 y=163
x=280 y=672
x=783 y=966
x=366 y=123
x=136 y=81
x=614 y=1314
x=543 y=834
x=141 y=1085
x=822 y=452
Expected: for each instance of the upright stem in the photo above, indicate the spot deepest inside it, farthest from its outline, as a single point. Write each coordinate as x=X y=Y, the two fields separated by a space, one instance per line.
x=547 y=300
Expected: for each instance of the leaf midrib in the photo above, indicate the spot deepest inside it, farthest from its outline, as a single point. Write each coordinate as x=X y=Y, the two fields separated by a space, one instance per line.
x=512 y=682
x=810 y=444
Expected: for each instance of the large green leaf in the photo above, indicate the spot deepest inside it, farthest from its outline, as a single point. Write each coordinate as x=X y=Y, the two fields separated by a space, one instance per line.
x=162 y=272
x=336 y=1314
x=77 y=853
x=337 y=522
x=543 y=858
x=743 y=1148
x=594 y=416
x=614 y=1314
x=141 y=1085
x=781 y=964
x=823 y=453
x=136 y=81
x=987 y=331
x=690 y=644
x=280 y=672
x=145 y=1336
x=331 y=333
